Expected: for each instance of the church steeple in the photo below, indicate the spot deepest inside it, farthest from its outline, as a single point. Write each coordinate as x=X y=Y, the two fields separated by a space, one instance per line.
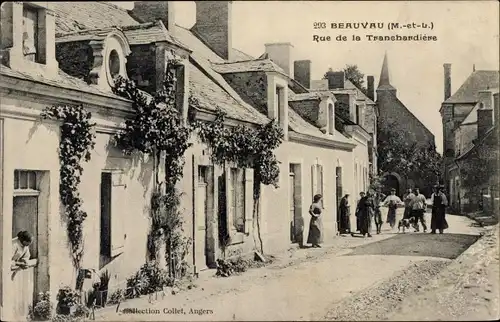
x=384 y=82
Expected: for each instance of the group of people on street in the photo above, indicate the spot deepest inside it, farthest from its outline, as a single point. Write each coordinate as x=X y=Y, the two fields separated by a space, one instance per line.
x=368 y=209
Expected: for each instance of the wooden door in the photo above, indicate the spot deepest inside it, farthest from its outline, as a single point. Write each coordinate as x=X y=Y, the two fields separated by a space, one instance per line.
x=201 y=226
x=25 y=217
x=291 y=193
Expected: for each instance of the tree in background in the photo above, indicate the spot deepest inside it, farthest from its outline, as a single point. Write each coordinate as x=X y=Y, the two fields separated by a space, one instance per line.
x=396 y=154
x=353 y=74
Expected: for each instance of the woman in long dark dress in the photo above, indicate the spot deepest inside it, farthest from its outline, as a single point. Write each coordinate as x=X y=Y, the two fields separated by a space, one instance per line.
x=345 y=213
x=366 y=209
x=315 y=236
x=439 y=203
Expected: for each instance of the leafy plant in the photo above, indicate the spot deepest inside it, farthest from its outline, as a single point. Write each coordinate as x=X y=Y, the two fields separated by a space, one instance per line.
x=158 y=128
x=76 y=142
x=149 y=279
x=43 y=308
x=116 y=297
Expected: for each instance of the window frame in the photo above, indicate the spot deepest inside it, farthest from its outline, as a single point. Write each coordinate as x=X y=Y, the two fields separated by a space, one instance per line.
x=36 y=32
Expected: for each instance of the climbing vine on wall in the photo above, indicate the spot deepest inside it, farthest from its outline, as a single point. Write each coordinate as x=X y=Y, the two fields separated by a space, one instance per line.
x=158 y=128
x=245 y=147
x=76 y=142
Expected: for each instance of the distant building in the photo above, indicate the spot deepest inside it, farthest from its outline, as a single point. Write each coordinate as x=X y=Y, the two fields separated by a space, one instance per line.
x=470 y=139
x=394 y=115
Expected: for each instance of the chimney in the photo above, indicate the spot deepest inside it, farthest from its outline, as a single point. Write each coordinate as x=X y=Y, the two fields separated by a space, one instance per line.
x=35 y=49
x=335 y=79
x=447 y=81
x=213 y=26
x=302 y=72
x=484 y=113
x=370 y=88
x=281 y=54
x=150 y=11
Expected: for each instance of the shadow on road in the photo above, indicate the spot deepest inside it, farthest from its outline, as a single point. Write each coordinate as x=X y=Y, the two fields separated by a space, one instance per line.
x=448 y=246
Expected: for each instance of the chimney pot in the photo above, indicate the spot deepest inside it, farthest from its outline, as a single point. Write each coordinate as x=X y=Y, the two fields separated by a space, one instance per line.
x=150 y=11
x=302 y=72
x=447 y=81
x=335 y=79
x=281 y=54
x=370 y=88
x=213 y=26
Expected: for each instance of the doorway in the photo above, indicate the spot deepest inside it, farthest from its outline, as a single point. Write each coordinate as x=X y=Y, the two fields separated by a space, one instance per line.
x=296 y=221
x=25 y=218
x=201 y=219
x=339 y=192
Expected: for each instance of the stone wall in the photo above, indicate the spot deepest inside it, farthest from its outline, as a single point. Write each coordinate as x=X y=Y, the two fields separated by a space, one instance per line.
x=75 y=58
x=252 y=88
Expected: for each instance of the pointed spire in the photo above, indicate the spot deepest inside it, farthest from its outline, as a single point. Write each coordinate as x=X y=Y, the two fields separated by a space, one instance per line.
x=384 y=82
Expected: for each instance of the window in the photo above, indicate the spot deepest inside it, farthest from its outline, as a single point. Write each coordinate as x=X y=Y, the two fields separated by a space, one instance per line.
x=239 y=196
x=331 y=119
x=317 y=180
x=24 y=180
x=113 y=214
x=25 y=207
x=279 y=105
x=114 y=63
x=30 y=33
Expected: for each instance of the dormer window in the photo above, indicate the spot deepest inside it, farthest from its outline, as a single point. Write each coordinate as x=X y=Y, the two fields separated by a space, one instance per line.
x=30 y=33
x=277 y=101
x=280 y=101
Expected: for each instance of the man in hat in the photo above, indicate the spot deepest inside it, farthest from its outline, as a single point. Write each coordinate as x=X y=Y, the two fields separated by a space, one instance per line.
x=407 y=198
x=377 y=199
x=392 y=202
x=418 y=206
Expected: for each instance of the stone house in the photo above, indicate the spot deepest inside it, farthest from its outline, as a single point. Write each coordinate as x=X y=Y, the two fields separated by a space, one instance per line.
x=394 y=115
x=80 y=48
x=31 y=79
x=470 y=117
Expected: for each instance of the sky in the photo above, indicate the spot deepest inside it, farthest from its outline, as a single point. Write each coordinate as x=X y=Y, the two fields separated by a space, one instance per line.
x=467 y=34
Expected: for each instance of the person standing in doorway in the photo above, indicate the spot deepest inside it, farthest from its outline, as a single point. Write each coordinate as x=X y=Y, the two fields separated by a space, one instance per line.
x=345 y=214
x=439 y=203
x=418 y=206
x=315 y=237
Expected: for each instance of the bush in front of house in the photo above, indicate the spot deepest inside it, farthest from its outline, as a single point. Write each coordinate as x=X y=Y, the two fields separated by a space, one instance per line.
x=43 y=308
x=149 y=279
x=66 y=299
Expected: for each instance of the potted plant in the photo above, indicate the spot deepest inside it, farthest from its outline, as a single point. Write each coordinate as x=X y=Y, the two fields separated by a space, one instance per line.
x=42 y=310
x=66 y=299
x=103 y=288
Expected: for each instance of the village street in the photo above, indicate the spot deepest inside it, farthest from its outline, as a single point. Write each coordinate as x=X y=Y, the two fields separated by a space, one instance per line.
x=348 y=279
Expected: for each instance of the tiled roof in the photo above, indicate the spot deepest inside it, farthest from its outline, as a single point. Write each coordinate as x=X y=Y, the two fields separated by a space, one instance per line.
x=475 y=146
x=63 y=81
x=477 y=81
x=141 y=34
x=472 y=116
x=196 y=45
x=349 y=85
x=257 y=65
x=299 y=125
x=79 y=15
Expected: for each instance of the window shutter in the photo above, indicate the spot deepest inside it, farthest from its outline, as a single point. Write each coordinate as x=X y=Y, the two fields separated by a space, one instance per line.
x=248 y=199
x=314 y=178
x=119 y=210
x=229 y=201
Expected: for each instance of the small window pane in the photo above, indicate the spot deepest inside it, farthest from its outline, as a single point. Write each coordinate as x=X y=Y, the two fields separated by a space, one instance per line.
x=32 y=180
x=16 y=179
x=30 y=35
x=23 y=180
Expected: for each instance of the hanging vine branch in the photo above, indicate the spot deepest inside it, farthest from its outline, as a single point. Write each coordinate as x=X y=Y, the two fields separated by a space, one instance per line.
x=246 y=148
x=76 y=142
x=157 y=128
